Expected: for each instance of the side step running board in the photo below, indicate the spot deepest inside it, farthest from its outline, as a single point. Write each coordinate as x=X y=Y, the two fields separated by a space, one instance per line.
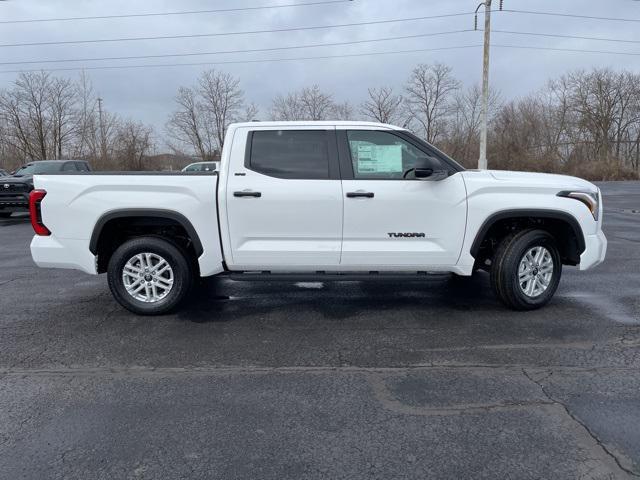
x=327 y=276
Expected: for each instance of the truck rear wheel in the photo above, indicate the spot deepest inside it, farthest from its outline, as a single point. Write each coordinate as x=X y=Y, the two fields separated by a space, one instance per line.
x=526 y=269
x=149 y=276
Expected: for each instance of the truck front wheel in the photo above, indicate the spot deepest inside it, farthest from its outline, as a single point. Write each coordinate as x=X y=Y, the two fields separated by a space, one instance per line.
x=526 y=269
x=149 y=276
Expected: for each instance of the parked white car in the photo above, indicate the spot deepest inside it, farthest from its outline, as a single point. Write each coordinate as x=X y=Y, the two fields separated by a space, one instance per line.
x=201 y=167
x=329 y=200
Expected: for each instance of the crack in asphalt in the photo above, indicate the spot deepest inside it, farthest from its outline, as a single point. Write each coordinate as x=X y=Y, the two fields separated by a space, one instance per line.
x=5 y=282
x=390 y=402
x=584 y=426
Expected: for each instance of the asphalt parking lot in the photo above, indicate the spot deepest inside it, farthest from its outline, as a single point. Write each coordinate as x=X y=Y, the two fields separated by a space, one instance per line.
x=425 y=379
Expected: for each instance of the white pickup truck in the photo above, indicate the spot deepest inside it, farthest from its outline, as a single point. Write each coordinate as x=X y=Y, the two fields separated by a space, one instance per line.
x=332 y=200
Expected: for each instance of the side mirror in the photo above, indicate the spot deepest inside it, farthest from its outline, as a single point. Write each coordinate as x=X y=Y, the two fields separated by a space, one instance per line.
x=427 y=168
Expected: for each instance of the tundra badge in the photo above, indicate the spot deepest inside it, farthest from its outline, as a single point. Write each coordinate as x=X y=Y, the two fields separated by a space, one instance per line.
x=405 y=235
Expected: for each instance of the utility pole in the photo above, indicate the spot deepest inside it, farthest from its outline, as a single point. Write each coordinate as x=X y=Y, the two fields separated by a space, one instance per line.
x=482 y=161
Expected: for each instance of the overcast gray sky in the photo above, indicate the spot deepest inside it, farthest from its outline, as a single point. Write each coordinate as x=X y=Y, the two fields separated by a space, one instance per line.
x=147 y=94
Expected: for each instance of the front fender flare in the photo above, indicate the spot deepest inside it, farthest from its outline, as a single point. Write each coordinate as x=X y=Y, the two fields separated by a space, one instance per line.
x=527 y=213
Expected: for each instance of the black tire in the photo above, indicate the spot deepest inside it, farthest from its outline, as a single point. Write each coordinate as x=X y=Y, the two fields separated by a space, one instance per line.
x=173 y=255
x=506 y=262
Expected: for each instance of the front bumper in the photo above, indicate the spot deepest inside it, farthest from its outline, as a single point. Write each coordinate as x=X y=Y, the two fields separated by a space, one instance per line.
x=15 y=202
x=595 y=250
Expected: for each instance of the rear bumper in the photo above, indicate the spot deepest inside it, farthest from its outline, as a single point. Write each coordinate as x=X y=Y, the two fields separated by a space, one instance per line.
x=52 y=252
x=595 y=250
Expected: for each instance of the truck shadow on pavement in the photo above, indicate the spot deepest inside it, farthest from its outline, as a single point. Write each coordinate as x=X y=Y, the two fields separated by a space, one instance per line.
x=216 y=300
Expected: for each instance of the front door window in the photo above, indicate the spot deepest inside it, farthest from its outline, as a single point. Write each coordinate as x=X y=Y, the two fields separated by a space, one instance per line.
x=378 y=155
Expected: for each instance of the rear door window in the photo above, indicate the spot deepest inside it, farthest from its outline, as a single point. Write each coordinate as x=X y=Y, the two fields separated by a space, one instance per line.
x=292 y=154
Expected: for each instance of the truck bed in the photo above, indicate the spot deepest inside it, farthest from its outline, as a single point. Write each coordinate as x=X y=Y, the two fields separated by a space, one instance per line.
x=75 y=203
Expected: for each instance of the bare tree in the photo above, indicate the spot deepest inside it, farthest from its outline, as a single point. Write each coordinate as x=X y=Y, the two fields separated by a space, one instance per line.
x=463 y=136
x=429 y=94
x=16 y=131
x=382 y=105
x=85 y=145
x=250 y=112
x=62 y=98
x=39 y=113
x=189 y=125
x=204 y=113
x=33 y=91
x=343 y=111
x=310 y=103
x=287 y=107
x=316 y=104
x=223 y=101
x=133 y=140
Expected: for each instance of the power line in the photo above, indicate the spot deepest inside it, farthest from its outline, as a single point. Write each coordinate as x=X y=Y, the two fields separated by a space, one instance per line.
x=553 y=35
x=252 y=50
x=231 y=62
x=287 y=5
x=354 y=42
x=222 y=34
x=322 y=57
x=572 y=15
x=571 y=50
x=162 y=14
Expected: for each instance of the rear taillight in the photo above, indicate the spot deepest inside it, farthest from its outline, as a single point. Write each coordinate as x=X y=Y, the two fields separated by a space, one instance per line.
x=35 y=199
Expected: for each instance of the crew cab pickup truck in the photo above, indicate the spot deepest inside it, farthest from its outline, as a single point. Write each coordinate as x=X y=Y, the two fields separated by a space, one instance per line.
x=329 y=200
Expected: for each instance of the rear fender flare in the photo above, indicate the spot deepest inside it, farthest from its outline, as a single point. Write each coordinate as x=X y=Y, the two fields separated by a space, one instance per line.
x=145 y=213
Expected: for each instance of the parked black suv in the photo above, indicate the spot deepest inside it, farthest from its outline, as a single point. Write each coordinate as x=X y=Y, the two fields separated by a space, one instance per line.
x=15 y=189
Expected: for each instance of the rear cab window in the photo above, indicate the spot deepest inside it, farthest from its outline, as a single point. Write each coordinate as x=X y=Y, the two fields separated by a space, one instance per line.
x=293 y=154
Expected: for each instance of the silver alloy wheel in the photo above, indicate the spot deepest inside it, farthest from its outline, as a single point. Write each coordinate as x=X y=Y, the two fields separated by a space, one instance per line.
x=535 y=271
x=147 y=277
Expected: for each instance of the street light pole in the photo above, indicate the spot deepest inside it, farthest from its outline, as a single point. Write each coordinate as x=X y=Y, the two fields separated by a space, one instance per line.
x=482 y=161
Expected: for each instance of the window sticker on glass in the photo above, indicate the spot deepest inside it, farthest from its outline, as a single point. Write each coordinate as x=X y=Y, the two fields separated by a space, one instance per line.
x=379 y=158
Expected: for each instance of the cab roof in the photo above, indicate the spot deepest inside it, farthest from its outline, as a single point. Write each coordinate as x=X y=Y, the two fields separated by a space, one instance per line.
x=52 y=161
x=320 y=123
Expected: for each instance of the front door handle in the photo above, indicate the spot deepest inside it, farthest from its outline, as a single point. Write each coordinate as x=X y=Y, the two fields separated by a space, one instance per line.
x=247 y=194
x=360 y=194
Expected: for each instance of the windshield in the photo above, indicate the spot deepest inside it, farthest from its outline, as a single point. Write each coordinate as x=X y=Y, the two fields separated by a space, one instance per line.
x=37 y=169
x=439 y=153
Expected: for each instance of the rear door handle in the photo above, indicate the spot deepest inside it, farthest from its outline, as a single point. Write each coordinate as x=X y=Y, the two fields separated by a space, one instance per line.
x=247 y=194
x=360 y=194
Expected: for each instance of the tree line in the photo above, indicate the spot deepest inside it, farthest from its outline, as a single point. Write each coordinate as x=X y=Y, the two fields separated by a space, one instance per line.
x=47 y=117
x=584 y=123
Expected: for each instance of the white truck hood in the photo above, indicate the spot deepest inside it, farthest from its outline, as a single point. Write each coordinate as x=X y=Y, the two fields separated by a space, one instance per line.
x=543 y=179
